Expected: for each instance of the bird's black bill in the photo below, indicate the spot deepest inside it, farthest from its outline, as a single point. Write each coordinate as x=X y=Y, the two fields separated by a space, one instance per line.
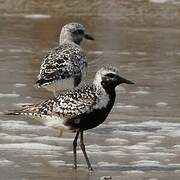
x=123 y=80
x=88 y=36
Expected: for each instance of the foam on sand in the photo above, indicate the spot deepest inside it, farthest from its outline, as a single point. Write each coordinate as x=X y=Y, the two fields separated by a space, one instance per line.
x=5 y=162
x=19 y=125
x=159 y=1
x=140 y=92
x=19 y=85
x=146 y=163
x=116 y=141
x=30 y=146
x=37 y=16
x=107 y=164
x=57 y=163
x=13 y=95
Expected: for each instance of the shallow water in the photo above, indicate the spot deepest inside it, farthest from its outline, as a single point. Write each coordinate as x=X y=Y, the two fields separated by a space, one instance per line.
x=140 y=138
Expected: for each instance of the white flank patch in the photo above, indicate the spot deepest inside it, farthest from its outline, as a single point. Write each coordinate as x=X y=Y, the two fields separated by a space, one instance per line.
x=54 y=122
x=60 y=85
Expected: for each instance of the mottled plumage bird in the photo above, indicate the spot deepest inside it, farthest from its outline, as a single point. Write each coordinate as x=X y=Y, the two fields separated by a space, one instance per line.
x=80 y=108
x=65 y=66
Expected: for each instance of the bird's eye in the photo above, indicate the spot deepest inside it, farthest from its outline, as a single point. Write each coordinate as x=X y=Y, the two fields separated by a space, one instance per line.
x=111 y=75
x=80 y=31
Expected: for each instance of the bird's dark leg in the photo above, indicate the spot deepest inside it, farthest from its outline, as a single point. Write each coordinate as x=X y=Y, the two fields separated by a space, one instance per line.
x=84 y=151
x=74 y=149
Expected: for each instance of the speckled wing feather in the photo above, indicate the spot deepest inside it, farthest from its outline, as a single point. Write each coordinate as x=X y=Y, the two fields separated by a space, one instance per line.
x=62 y=62
x=66 y=105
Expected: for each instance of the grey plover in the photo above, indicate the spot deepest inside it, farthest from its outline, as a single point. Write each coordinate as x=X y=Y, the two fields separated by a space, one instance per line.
x=80 y=108
x=65 y=66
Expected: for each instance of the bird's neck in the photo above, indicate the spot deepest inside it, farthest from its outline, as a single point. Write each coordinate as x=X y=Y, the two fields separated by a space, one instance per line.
x=108 y=89
x=107 y=92
x=112 y=95
x=66 y=37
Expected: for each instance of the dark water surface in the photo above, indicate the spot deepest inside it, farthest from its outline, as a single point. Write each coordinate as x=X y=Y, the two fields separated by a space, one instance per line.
x=140 y=138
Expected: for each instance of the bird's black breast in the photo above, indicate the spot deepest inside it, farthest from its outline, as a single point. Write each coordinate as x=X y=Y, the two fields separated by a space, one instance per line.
x=92 y=119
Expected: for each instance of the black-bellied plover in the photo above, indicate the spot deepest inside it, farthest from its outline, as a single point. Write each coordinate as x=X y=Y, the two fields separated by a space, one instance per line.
x=65 y=66
x=80 y=108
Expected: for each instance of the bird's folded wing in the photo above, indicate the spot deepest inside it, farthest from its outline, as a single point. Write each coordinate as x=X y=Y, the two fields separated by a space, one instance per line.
x=67 y=105
x=61 y=63
x=74 y=103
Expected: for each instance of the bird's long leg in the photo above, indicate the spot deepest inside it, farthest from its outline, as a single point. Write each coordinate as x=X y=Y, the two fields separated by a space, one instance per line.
x=74 y=149
x=84 y=151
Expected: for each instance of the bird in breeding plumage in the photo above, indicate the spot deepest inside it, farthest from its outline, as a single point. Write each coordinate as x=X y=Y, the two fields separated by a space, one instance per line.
x=80 y=108
x=64 y=66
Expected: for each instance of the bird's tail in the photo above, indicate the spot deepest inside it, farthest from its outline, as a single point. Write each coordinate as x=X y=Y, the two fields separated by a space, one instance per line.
x=26 y=110
x=13 y=112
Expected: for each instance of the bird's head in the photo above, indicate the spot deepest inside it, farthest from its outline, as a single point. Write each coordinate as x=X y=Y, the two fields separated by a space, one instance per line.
x=108 y=77
x=74 y=32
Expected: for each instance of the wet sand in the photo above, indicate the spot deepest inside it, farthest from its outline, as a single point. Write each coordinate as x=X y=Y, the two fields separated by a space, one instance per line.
x=139 y=139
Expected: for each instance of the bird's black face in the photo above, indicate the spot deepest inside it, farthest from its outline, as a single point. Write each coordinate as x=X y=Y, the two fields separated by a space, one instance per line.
x=79 y=34
x=111 y=80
